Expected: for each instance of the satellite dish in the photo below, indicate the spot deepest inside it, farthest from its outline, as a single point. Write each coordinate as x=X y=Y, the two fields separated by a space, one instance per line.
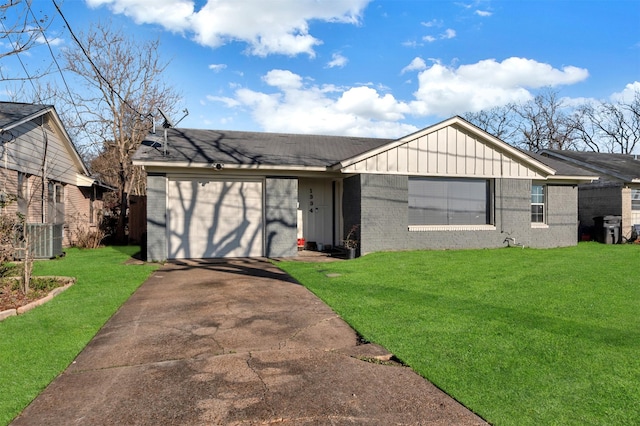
x=167 y=121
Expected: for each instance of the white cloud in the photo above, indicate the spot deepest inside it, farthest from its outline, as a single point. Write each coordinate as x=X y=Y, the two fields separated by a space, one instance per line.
x=447 y=34
x=628 y=94
x=268 y=27
x=217 y=67
x=483 y=13
x=297 y=107
x=417 y=64
x=431 y=23
x=445 y=91
x=337 y=61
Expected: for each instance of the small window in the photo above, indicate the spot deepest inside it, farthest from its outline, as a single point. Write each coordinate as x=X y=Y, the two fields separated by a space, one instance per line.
x=22 y=193
x=635 y=199
x=537 y=203
x=55 y=203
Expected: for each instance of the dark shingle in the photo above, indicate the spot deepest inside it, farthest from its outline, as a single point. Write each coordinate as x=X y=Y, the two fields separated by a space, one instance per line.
x=10 y=112
x=622 y=166
x=253 y=148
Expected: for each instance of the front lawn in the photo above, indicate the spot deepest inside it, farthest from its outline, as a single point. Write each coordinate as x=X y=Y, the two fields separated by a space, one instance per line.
x=39 y=345
x=520 y=336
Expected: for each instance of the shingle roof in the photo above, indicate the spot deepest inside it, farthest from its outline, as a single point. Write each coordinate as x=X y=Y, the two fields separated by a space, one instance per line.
x=194 y=146
x=562 y=168
x=620 y=166
x=11 y=112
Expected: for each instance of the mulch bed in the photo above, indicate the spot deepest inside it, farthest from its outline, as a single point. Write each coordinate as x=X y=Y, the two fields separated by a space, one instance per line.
x=12 y=298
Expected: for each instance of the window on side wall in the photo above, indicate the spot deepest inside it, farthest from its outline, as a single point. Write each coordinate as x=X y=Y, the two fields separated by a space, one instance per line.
x=23 y=195
x=635 y=200
x=538 y=199
x=449 y=202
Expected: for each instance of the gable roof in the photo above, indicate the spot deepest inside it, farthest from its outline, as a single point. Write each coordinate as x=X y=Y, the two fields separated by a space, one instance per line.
x=13 y=114
x=624 y=167
x=175 y=147
x=194 y=147
x=464 y=125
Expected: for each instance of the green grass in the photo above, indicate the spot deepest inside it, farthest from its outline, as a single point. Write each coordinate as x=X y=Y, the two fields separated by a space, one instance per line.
x=521 y=337
x=39 y=345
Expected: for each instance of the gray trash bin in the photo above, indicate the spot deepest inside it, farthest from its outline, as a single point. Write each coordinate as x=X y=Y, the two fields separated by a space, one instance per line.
x=608 y=229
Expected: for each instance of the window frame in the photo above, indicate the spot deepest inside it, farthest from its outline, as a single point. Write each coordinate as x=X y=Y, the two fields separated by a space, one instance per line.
x=635 y=199
x=446 y=185
x=537 y=203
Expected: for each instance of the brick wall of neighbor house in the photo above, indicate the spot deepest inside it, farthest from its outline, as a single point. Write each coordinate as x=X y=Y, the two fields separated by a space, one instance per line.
x=9 y=183
x=281 y=199
x=598 y=199
x=76 y=212
x=384 y=217
x=627 y=217
x=156 y=217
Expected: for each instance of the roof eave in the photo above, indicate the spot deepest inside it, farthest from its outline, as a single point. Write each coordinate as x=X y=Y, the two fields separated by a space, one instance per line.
x=213 y=166
x=572 y=179
x=26 y=119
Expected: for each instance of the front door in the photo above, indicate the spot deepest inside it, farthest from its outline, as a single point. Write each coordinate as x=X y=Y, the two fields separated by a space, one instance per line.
x=315 y=198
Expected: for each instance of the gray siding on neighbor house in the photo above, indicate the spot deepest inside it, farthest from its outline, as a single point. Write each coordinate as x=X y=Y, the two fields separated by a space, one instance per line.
x=156 y=217
x=281 y=197
x=384 y=217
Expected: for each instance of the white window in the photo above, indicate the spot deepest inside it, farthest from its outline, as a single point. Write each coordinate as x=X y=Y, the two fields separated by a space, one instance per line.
x=538 y=203
x=55 y=203
x=449 y=201
x=635 y=199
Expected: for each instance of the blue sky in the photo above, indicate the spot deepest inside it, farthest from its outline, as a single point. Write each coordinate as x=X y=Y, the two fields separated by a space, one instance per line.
x=375 y=68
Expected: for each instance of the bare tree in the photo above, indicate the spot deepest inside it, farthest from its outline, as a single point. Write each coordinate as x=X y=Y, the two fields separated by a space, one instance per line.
x=123 y=89
x=20 y=30
x=545 y=123
x=497 y=121
x=615 y=126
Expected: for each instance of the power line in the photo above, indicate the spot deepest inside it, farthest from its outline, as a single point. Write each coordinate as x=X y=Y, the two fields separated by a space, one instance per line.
x=93 y=65
x=55 y=60
x=24 y=68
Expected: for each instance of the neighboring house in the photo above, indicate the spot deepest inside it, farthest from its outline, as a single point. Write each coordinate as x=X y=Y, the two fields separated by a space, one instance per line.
x=616 y=193
x=43 y=177
x=230 y=193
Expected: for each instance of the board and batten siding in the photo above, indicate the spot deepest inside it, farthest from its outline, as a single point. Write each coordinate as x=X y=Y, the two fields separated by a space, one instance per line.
x=26 y=151
x=450 y=152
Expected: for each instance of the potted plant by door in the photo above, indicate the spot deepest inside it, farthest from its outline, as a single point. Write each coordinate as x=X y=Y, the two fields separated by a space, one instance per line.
x=351 y=242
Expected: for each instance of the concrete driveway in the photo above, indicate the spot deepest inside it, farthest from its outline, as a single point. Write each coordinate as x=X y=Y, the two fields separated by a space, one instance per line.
x=234 y=343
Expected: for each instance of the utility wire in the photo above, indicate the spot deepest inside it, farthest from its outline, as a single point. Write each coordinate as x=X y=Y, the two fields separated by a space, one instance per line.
x=55 y=60
x=93 y=65
x=24 y=68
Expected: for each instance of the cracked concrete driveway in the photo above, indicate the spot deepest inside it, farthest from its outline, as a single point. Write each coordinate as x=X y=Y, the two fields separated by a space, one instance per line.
x=234 y=342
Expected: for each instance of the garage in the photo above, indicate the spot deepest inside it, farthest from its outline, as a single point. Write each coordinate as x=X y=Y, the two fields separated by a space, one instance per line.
x=214 y=218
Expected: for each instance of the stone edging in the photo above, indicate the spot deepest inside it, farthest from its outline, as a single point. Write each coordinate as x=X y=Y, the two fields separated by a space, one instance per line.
x=53 y=293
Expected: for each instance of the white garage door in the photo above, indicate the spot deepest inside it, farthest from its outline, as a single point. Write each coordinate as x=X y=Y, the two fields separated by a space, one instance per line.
x=210 y=218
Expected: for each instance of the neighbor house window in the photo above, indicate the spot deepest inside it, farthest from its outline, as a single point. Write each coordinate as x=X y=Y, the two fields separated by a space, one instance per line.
x=537 y=203
x=22 y=193
x=635 y=199
x=449 y=201
x=55 y=202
